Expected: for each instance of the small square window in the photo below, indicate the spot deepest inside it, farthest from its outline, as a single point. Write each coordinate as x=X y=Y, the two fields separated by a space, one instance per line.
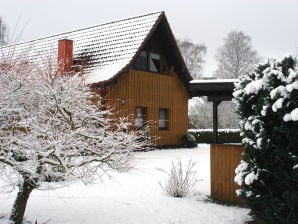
x=154 y=62
x=163 y=121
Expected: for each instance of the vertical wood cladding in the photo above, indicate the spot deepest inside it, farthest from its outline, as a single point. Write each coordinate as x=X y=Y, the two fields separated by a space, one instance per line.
x=152 y=91
x=224 y=160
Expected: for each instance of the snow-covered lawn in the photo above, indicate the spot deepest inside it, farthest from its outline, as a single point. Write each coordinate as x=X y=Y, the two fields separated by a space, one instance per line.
x=132 y=198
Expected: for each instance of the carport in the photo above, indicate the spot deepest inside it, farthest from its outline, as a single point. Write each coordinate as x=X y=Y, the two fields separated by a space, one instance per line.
x=224 y=158
x=216 y=90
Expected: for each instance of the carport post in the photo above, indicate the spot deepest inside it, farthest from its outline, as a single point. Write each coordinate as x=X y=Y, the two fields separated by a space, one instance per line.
x=215 y=120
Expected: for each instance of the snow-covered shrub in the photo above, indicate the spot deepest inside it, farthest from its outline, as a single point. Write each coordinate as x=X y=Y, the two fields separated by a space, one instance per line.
x=268 y=105
x=224 y=135
x=179 y=180
x=189 y=141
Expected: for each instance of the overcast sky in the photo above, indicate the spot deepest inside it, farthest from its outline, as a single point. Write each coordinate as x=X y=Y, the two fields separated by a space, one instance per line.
x=272 y=24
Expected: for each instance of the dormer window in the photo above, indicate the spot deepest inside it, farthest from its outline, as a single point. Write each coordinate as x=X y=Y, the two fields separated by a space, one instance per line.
x=149 y=61
x=154 y=62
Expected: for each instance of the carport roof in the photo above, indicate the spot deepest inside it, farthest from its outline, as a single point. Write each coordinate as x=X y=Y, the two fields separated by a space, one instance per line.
x=212 y=87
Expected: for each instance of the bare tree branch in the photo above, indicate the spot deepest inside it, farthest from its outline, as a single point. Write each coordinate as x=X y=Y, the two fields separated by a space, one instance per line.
x=193 y=55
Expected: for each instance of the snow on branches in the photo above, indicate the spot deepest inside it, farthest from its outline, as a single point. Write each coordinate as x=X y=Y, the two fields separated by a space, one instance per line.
x=268 y=105
x=54 y=128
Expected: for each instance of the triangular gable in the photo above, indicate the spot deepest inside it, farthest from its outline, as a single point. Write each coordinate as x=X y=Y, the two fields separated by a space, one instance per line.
x=163 y=26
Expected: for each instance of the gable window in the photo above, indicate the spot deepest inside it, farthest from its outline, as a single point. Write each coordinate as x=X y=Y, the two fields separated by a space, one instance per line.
x=141 y=62
x=140 y=117
x=154 y=62
x=149 y=61
x=163 y=121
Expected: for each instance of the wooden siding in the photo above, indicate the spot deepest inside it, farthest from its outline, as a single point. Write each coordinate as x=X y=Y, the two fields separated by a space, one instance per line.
x=153 y=91
x=224 y=160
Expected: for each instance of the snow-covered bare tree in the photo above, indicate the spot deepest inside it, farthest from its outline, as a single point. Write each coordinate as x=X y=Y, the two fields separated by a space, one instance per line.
x=200 y=114
x=236 y=57
x=193 y=55
x=53 y=129
x=3 y=33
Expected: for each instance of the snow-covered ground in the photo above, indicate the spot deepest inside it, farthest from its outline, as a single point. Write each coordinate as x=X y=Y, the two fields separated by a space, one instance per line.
x=132 y=198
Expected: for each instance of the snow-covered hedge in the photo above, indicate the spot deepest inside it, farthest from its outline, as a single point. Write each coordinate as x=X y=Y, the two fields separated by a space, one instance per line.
x=268 y=105
x=224 y=135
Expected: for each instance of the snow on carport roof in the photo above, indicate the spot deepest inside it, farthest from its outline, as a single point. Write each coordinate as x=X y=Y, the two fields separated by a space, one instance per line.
x=213 y=80
x=212 y=87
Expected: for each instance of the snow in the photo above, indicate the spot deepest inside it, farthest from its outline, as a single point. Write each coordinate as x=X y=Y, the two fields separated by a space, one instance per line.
x=214 y=81
x=277 y=104
x=224 y=130
x=293 y=116
x=280 y=90
x=248 y=126
x=264 y=111
x=292 y=86
x=250 y=178
x=240 y=171
x=259 y=142
x=132 y=198
x=292 y=75
x=106 y=72
x=254 y=87
x=248 y=193
x=278 y=73
x=243 y=175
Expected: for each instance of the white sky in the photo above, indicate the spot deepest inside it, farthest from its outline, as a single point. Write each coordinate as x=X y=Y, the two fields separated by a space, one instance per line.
x=272 y=24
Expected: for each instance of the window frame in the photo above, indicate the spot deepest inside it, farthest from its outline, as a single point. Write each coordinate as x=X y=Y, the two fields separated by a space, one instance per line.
x=151 y=62
x=142 y=117
x=146 y=61
x=148 y=65
x=165 y=120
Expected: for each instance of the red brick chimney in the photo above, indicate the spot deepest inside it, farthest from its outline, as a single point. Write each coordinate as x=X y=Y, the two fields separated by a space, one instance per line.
x=65 y=56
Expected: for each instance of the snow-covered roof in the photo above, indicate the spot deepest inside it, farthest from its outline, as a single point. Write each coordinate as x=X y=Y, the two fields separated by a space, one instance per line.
x=212 y=87
x=110 y=47
x=214 y=81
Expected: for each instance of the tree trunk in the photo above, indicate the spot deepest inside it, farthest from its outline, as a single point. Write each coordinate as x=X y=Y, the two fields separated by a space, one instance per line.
x=19 y=206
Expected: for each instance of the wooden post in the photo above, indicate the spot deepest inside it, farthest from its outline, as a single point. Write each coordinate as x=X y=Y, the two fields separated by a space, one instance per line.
x=215 y=120
x=224 y=159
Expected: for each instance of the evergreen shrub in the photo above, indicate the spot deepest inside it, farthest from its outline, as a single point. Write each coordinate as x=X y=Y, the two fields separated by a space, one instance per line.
x=268 y=106
x=189 y=141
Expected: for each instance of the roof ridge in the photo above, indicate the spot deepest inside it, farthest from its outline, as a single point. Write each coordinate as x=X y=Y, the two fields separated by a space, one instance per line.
x=86 y=28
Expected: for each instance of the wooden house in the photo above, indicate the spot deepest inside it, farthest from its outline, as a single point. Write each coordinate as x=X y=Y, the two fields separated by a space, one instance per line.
x=136 y=66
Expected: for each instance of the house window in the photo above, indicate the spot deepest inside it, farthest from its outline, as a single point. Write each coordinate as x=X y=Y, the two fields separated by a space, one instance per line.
x=154 y=62
x=140 y=117
x=141 y=62
x=163 y=121
x=148 y=61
